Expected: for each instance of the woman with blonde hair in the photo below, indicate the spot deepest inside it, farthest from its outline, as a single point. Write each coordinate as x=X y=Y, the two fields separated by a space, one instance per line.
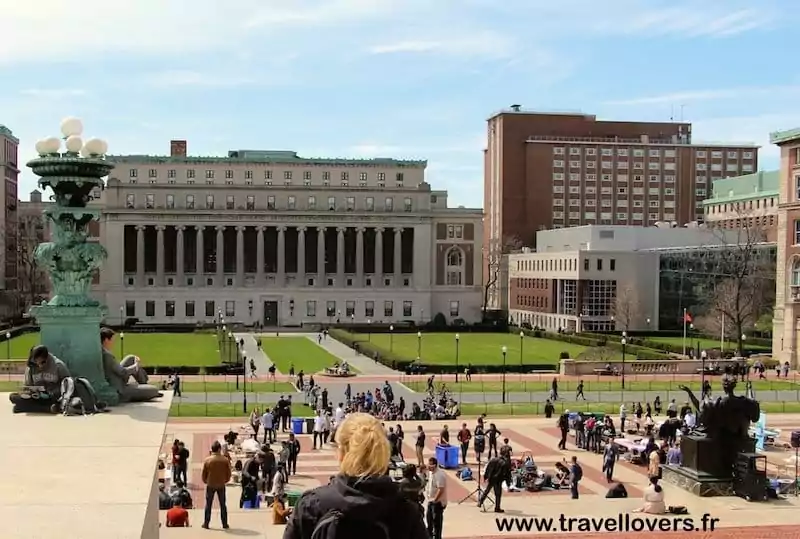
x=361 y=499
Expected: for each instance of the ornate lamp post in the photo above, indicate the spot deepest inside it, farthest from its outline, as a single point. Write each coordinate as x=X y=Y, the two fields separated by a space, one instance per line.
x=703 y=357
x=369 y=330
x=8 y=345
x=521 y=343
x=352 y=319
x=504 y=349
x=391 y=338
x=244 y=386
x=121 y=314
x=70 y=321
x=458 y=338
x=419 y=344
x=624 y=342
x=122 y=345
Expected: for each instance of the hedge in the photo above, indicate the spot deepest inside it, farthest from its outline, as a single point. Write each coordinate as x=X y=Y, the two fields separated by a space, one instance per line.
x=592 y=340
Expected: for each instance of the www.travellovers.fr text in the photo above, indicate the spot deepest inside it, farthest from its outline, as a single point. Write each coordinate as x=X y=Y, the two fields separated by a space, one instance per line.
x=620 y=523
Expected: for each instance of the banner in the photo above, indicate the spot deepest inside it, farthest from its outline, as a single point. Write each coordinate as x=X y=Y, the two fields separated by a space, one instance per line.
x=760 y=435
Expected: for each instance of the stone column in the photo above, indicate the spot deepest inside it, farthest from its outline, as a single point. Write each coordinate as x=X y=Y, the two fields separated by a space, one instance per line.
x=179 y=255
x=220 y=256
x=281 y=279
x=398 y=257
x=140 y=255
x=359 y=256
x=379 y=256
x=340 y=255
x=301 y=255
x=259 y=255
x=239 y=256
x=320 y=256
x=200 y=256
x=160 y=255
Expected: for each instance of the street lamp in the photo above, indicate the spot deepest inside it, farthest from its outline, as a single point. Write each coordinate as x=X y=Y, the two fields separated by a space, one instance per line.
x=121 y=314
x=369 y=329
x=703 y=357
x=458 y=337
x=521 y=341
x=419 y=344
x=505 y=351
x=580 y=322
x=391 y=338
x=352 y=319
x=624 y=341
x=231 y=343
x=8 y=345
x=422 y=316
x=244 y=385
x=122 y=345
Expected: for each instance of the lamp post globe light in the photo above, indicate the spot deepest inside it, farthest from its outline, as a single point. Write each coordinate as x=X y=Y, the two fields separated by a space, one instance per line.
x=419 y=344
x=623 y=342
x=369 y=330
x=122 y=345
x=521 y=344
x=391 y=338
x=504 y=349
x=458 y=338
x=8 y=345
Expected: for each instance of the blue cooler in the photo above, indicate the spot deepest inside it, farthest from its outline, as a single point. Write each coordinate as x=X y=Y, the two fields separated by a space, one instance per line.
x=447 y=456
x=297 y=425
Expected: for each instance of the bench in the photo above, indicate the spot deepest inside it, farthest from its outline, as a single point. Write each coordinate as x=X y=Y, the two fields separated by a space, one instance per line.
x=604 y=372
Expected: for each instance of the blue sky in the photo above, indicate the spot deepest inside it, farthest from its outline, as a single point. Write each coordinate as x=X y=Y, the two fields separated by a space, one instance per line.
x=401 y=78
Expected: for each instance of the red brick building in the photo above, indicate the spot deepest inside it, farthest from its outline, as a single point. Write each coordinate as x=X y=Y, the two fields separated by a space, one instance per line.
x=551 y=170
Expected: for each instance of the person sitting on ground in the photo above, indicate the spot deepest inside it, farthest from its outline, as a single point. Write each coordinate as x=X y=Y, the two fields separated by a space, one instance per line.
x=119 y=374
x=562 y=475
x=181 y=495
x=281 y=510
x=164 y=499
x=177 y=516
x=362 y=495
x=653 y=499
x=43 y=376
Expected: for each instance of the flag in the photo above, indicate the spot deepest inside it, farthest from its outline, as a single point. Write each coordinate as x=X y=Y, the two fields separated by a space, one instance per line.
x=687 y=318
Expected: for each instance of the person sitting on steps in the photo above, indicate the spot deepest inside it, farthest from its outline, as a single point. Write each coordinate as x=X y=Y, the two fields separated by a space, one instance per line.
x=43 y=376
x=118 y=374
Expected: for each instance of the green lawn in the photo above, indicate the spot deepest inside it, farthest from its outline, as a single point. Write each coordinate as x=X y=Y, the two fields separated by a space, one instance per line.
x=229 y=410
x=155 y=349
x=513 y=384
x=301 y=352
x=706 y=344
x=230 y=387
x=537 y=408
x=474 y=348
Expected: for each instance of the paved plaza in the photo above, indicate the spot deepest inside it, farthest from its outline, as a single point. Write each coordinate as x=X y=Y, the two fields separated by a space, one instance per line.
x=738 y=518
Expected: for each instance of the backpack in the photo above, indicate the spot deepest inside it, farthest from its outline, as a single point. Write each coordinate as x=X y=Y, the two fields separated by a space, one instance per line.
x=577 y=473
x=77 y=397
x=465 y=474
x=328 y=526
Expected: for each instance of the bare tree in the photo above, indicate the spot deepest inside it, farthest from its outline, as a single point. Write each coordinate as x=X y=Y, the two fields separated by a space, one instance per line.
x=509 y=244
x=742 y=287
x=626 y=307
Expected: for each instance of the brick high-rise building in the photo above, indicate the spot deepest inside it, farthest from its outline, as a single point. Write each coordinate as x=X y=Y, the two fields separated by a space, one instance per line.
x=8 y=216
x=552 y=170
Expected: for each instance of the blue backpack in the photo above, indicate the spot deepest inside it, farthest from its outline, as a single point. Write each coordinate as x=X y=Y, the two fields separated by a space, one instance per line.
x=465 y=474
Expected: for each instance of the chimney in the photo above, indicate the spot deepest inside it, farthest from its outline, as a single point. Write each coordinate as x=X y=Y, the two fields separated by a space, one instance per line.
x=36 y=196
x=177 y=148
x=516 y=108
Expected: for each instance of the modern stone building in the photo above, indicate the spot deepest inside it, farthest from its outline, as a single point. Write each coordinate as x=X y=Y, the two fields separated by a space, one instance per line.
x=271 y=237
x=787 y=281
x=750 y=200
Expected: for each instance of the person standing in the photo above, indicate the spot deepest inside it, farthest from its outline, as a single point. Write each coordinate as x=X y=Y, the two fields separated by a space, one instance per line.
x=498 y=471
x=268 y=424
x=319 y=427
x=182 y=464
x=250 y=473
x=216 y=475
x=609 y=460
x=255 y=421
x=464 y=436
x=419 y=446
x=294 y=452
x=579 y=391
x=436 y=494
x=563 y=426
x=554 y=389
x=575 y=476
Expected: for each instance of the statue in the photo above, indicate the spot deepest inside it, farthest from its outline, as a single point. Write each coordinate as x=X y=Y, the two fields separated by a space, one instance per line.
x=722 y=430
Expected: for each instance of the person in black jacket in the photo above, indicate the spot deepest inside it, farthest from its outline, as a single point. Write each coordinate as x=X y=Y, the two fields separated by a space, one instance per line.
x=498 y=471
x=361 y=500
x=250 y=472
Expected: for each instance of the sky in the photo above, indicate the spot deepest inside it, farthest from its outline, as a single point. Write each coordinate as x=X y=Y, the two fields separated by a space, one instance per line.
x=390 y=78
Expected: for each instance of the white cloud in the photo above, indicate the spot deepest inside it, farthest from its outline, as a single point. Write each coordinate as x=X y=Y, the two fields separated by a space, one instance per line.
x=320 y=12
x=708 y=95
x=53 y=93
x=195 y=78
x=475 y=44
x=755 y=129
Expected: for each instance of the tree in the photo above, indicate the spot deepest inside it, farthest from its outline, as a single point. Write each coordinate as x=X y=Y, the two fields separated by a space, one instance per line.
x=742 y=287
x=626 y=307
x=494 y=258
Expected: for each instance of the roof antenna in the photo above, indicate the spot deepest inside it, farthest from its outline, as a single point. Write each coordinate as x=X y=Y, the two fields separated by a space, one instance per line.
x=516 y=108
x=672 y=113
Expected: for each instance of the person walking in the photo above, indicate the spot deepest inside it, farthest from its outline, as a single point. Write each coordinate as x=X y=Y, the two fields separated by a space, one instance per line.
x=575 y=476
x=609 y=460
x=464 y=436
x=216 y=475
x=579 y=391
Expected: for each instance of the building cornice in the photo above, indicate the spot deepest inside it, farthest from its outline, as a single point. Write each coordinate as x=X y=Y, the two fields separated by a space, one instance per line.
x=253 y=158
x=785 y=137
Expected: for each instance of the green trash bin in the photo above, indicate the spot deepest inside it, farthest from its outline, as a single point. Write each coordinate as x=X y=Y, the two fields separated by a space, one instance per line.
x=292 y=498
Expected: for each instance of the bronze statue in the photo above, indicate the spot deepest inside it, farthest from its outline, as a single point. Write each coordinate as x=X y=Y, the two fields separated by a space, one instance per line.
x=728 y=416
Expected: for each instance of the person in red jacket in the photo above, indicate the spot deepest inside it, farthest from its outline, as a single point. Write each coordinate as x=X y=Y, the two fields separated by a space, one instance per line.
x=177 y=517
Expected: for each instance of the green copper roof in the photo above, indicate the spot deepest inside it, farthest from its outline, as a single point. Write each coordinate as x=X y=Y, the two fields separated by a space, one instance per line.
x=271 y=157
x=780 y=137
x=750 y=186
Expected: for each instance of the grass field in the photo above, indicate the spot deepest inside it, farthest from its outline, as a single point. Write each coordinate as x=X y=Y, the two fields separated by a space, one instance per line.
x=230 y=387
x=705 y=344
x=514 y=385
x=155 y=349
x=474 y=348
x=301 y=352
x=537 y=408
x=229 y=410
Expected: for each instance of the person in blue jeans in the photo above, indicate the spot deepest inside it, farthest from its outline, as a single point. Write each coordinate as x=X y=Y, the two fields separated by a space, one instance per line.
x=575 y=476
x=216 y=475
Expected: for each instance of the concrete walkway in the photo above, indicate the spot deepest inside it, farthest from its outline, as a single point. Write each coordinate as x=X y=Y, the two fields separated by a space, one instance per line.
x=251 y=350
x=361 y=362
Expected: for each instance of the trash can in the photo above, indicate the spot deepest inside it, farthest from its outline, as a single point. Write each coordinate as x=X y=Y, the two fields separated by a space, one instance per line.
x=292 y=498
x=447 y=456
x=309 y=425
x=297 y=425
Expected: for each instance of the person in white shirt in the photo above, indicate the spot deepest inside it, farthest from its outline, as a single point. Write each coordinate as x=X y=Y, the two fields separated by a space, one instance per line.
x=436 y=494
x=623 y=415
x=319 y=428
x=338 y=418
x=326 y=427
x=690 y=420
x=653 y=499
x=268 y=424
x=251 y=446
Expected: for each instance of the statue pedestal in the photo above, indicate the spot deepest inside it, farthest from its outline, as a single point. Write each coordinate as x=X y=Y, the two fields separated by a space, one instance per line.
x=707 y=465
x=73 y=335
